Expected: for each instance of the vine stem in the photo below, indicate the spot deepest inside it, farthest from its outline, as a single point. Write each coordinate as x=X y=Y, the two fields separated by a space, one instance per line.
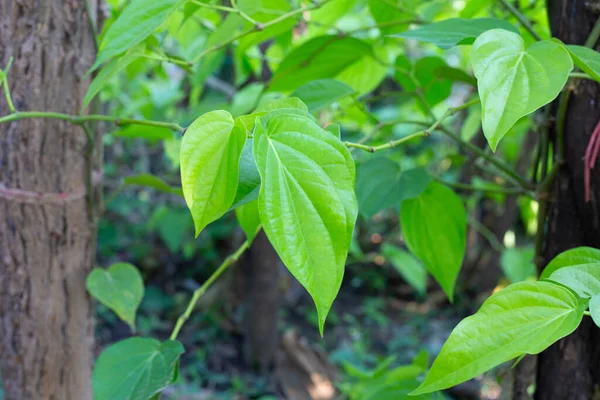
x=589 y=314
x=259 y=27
x=81 y=119
x=205 y=286
x=521 y=18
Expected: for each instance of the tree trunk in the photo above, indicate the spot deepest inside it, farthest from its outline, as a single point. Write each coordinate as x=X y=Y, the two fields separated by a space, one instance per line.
x=47 y=232
x=261 y=279
x=570 y=369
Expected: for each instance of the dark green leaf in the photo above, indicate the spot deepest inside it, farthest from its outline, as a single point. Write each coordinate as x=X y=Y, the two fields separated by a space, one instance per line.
x=320 y=93
x=409 y=267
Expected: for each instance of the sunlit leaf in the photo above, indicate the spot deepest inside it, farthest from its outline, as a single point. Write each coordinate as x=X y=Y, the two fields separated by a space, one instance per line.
x=583 y=279
x=513 y=81
x=586 y=59
x=410 y=268
x=570 y=258
x=523 y=318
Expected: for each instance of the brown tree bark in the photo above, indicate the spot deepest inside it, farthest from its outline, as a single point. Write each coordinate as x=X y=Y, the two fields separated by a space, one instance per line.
x=262 y=303
x=47 y=232
x=570 y=369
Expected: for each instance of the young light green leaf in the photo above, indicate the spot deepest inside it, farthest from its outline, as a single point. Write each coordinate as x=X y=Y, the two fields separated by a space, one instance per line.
x=390 y=18
x=367 y=73
x=456 y=31
x=434 y=226
x=583 y=279
x=306 y=202
x=595 y=309
x=409 y=267
x=570 y=258
x=135 y=368
x=210 y=158
x=380 y=184
x=152 y=181
x=517 y=263
x=246 y=99
x=276 y=104
x=120 y=288
x=249 y=181
x=249 y=219
x=110 y=71
x=321 y=57
x=513 y=81
x=320 y=93
x=586 y=59
x=523 y=318
x=135 y=24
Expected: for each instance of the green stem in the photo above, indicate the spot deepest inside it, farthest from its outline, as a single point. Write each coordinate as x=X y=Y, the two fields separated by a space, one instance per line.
x=258 y=28
x=464 y=186
x=580 y=75
x=79 y=120
x=593 y=36
x=215 y=7
x=589 y=314
x=521 y=18
x=202 y=289
x=389 y=145
x=7 y=94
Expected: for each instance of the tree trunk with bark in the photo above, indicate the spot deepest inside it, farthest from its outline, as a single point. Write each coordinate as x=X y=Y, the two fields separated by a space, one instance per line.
x=47 y=229
x=570 y=369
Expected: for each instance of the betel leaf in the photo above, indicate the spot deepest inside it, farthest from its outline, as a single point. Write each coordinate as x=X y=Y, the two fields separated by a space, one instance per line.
x=434 y=226
x=111 y=70
x=139 y=19
x=595 y=309
x=265 y=11
x=152 y=181
x=321 y=57
x=380 y=184
x=583 y=279
x=389 y=17
x=367 y=73
x=523 y=318
x=120 y=288
x=513 y=81
x=135 y=368
x=586 y=59
x=423 y=75
x=411 y=270
x=284 y=102
x=320 y=93
x=571 y=257
x=210 y=158
x=456 y=31
x=306 y=202
x=249 y=180
x=249 y=219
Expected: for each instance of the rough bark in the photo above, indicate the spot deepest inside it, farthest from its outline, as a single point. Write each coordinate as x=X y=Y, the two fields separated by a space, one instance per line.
x=47 y=239
x=261 y=278
x=570 y=369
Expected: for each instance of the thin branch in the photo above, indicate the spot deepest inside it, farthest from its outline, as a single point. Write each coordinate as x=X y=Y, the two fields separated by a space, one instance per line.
x=521 y=18
x=205 y=286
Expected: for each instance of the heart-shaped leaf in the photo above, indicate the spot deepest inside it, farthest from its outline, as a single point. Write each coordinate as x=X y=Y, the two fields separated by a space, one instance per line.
x=120 y=288
x=583 y=279
x=513 y=81
x=523 y=318
x=307 y=203
x=136 y=368
x=210 y=161
x=586 y=59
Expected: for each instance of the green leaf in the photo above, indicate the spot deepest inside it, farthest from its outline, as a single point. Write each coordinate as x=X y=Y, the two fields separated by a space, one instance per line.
x=210 y=158
x=571 y=257
x=427 y=73
x=389 y=17
x=367 y=73
x=110 y=71
x=320 y=93
x=135 y=368
x=246 y=99
x=583 y=279
x=513 y=81
x=149 y=180
x=306 y=201
x=456 y=31
x=135 y=24
x=276 y=104
x=249 y=219
x=586 y=59
x=434 y=226
x=517 y=263
x=595 y=309
x=265 y=11
x=120 y=288
x=321 y=57
x=523 y=318
x=249 y=181
x=410 y=268
x=381 y=184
